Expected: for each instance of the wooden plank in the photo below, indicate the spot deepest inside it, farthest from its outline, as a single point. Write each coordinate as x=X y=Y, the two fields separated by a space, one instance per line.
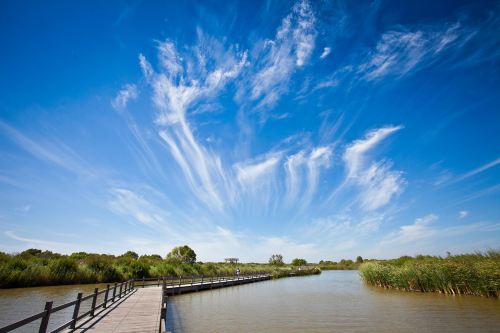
x=138 y=312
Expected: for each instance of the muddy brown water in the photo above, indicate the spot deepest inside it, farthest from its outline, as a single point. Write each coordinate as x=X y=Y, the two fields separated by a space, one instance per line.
x=335 y=301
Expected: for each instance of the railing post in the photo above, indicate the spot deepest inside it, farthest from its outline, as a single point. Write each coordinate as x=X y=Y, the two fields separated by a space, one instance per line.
x=158 y=281
x=143 y=281
x=192 y=278
x=75 y=311
x=202 y=279
x=45 y=319
x=180 y=280
x=121 y=288
x=114 y=292
x=94 y=301
x=106 y=296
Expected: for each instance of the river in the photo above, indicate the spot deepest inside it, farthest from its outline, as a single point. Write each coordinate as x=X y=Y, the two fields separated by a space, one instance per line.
x=335 y=301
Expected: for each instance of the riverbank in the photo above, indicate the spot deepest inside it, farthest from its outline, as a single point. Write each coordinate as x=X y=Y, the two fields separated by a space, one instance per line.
x=468 y=274
x=36 y=268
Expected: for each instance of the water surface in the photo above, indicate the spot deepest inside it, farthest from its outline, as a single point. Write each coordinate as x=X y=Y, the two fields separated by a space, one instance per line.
x=20 y=303
x=335 y=301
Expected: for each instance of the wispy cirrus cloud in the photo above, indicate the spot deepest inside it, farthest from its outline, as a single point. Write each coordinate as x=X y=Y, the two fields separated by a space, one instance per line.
x=39 y=243
x=252 y=174
x=412 y=232
x=303 y=170
x=127 y=93
x=423 y=230
x=54 y=152
x=401 y=52
x=378 y=181
x=181 y=81
x=463 y=214
x=278 y=58
x=475 y=172
x=325 y=53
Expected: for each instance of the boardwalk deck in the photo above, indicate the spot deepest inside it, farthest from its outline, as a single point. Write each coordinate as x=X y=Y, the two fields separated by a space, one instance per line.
x=131 y=306
x=139 y=312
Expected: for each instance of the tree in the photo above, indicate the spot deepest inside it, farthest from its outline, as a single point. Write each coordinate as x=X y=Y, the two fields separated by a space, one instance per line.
x=276 y=259
x=130 y=254
x=31 y=252
x=182 y=254
x=359 y=260
x=299 y=262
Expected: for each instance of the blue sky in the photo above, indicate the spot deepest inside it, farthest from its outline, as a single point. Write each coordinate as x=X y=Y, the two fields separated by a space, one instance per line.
x=320 y=130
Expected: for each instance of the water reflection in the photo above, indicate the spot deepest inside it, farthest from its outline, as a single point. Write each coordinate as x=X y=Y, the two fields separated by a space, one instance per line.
x=335 y=301
x=19 y=303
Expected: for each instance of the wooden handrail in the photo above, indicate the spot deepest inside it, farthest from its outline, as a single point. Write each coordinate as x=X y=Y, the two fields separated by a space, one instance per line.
x=119 y=290
x=49 y=309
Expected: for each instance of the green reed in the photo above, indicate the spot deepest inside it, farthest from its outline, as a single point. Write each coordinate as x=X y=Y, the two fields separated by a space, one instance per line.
x=471 y=274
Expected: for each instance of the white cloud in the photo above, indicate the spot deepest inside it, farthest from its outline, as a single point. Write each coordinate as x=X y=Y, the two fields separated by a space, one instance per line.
x=326 y=52
x=378 y=182
x=476 y=171
x=463 y=214
x=369 y=224
x=402 y=52
x=422 y=230
x=183 y=80
x=39 y=243
x=355 y=153
x=53 y=151
x=126 y=94
x=410 y=233
x=253 y=173
x=127 y=203
x=278 y=58
x=303 y=171
x=326 y=84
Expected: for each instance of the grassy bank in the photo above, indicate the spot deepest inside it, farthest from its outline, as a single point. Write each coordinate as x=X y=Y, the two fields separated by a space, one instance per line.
x=471 y=274
x=37 y=268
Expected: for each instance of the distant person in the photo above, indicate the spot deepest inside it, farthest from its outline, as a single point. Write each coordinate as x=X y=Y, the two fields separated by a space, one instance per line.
x=238 y=271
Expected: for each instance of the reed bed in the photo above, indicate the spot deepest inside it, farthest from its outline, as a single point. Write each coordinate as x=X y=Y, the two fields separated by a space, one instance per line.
x=36 y=268
x=469 y=274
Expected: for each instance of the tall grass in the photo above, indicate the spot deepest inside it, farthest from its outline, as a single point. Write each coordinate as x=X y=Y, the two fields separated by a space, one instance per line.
x=36 y=268
x=471 y=274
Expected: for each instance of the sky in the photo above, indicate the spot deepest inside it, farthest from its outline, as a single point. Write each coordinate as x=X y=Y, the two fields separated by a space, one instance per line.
x=319 y=130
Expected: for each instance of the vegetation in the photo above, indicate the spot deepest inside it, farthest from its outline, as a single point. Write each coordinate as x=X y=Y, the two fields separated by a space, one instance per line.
x=472 y=274
x=344 y=264
x=182 y=254
x=299 y=262
x=34 y=267
x=276 y=260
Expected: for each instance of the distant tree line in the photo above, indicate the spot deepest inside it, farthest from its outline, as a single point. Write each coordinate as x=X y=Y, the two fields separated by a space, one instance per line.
x=35 y=267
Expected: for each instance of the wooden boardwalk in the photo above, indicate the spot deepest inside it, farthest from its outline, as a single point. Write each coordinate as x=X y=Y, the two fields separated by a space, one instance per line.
x=133 y=306
x=139 y=312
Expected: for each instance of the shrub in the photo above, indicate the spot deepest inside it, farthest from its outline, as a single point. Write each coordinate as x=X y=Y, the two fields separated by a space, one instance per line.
x=299 y=262
x=182 y=254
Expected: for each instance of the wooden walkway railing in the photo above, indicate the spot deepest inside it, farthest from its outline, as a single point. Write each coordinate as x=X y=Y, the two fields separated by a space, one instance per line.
x=113 y=293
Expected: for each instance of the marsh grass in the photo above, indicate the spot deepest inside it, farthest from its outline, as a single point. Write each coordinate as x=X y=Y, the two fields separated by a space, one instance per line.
x=35 y=268
x=469 y=274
